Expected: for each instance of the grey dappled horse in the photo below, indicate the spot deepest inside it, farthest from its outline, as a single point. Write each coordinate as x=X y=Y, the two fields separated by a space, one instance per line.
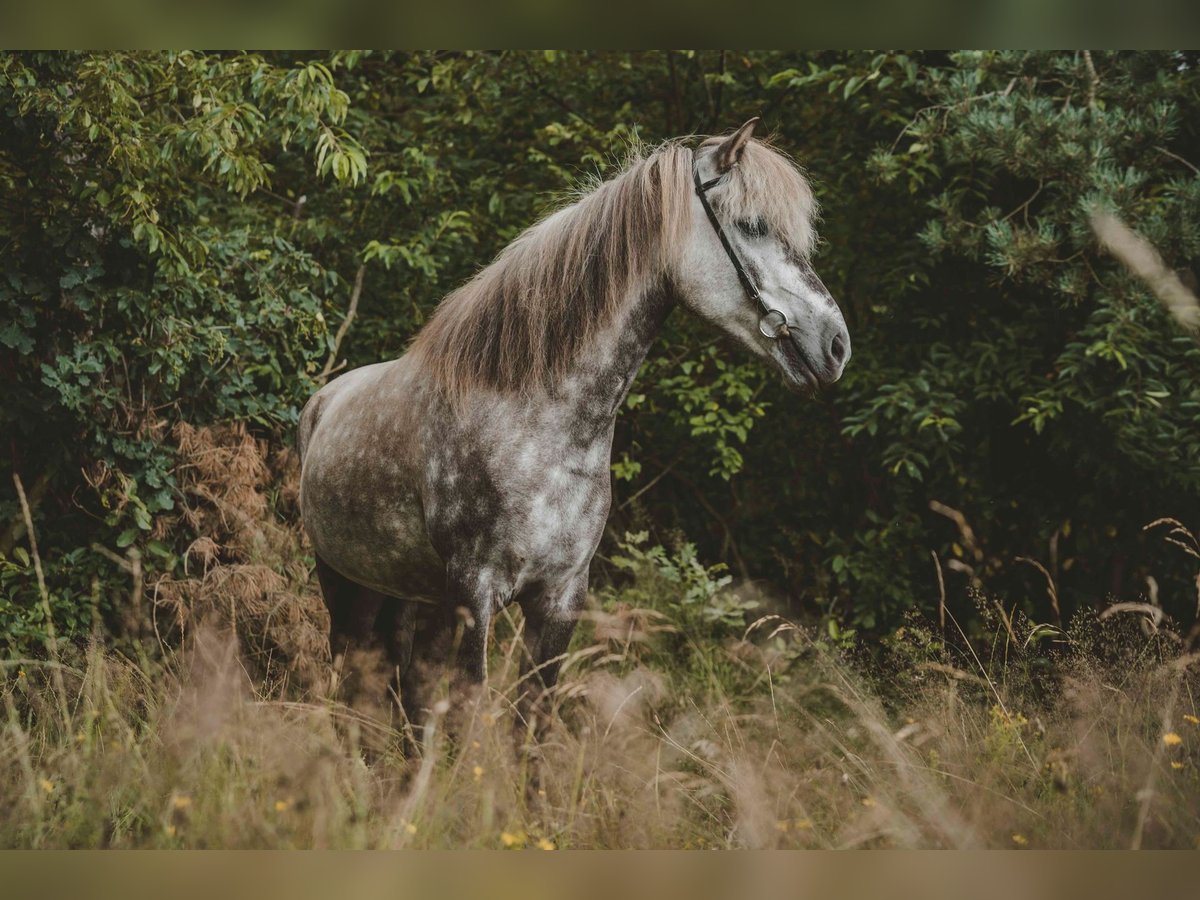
x=473 y=471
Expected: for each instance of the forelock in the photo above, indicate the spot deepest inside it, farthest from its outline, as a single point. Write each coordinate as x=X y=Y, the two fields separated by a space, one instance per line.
x=769 y=184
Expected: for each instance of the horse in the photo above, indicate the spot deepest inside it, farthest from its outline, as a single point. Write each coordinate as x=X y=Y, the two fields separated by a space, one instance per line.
x=473 y=472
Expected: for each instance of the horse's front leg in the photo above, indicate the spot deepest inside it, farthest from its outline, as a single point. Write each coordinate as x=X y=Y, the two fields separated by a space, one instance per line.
x=550 y=621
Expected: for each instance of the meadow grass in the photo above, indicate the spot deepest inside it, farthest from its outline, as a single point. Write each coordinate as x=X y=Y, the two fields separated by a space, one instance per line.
x=690 y=713
x=657 y=741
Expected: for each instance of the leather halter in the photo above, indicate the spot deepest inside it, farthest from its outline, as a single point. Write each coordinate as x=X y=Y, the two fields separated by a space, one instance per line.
x=773 y=324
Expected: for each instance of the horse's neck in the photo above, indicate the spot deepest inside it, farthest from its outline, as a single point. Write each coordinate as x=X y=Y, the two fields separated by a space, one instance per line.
x=604 y=371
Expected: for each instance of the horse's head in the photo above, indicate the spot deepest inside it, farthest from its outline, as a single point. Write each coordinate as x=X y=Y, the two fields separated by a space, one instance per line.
x=747 y=265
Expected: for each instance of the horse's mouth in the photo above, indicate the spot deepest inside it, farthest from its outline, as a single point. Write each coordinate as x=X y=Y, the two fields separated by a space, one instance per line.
x=800 y=373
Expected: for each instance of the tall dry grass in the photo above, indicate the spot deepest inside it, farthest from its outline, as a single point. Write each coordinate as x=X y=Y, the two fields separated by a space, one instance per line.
x=762 y=743
x=672 y=726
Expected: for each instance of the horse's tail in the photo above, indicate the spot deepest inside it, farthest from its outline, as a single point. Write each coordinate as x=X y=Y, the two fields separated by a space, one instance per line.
x=309 y=417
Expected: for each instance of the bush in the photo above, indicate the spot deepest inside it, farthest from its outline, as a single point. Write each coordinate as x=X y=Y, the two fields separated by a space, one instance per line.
x=184 y=233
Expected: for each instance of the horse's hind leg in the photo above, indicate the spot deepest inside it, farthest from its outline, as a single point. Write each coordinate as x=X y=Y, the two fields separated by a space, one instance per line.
x=354 y=644
x=449 y=644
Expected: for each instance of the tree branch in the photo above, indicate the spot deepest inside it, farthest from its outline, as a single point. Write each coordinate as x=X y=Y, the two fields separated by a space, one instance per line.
x=351 y=312
x=1094 y=79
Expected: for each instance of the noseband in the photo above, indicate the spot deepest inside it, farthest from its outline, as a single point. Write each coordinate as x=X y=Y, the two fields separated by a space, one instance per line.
x=773 y=323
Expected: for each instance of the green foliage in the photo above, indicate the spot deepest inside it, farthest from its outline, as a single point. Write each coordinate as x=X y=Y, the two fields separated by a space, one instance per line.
x=137 y=291
x=713 y=398
x=695 y=593
x=1033 y=374
x=181 y=232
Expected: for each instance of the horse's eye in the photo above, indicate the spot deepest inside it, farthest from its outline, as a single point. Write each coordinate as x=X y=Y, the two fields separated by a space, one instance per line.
x=754 y=228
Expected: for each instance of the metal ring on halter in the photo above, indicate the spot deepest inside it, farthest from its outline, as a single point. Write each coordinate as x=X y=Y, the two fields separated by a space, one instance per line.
x=773 y=324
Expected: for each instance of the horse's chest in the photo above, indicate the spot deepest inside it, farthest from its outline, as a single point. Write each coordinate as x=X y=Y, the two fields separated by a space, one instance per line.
x=534 y=511
x=557 y=526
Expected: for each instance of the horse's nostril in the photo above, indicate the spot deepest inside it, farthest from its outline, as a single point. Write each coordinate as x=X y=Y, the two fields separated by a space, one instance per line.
x=838 y=348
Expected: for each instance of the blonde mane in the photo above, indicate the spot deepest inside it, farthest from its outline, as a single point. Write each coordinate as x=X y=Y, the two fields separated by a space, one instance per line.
x=519 y=324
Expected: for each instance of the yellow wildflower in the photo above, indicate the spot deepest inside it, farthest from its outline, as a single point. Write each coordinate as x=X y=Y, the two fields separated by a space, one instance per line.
x=282 y=805
x=410 y=828
x=544 y=844
x=1019 y=839
x=512 y=840
x=182 y=801
x=1191 y=720
x=1175 y=764
x=1171 y=739
x=20 y=673
x=47 y=785
x=477 y=772
x=868 y=802
x=797 y=824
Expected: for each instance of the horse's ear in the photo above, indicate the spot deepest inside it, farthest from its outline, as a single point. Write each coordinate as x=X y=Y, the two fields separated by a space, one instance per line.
x=730 y=151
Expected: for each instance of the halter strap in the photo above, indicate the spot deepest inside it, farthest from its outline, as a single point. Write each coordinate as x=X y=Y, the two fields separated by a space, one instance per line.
x=773 y=324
